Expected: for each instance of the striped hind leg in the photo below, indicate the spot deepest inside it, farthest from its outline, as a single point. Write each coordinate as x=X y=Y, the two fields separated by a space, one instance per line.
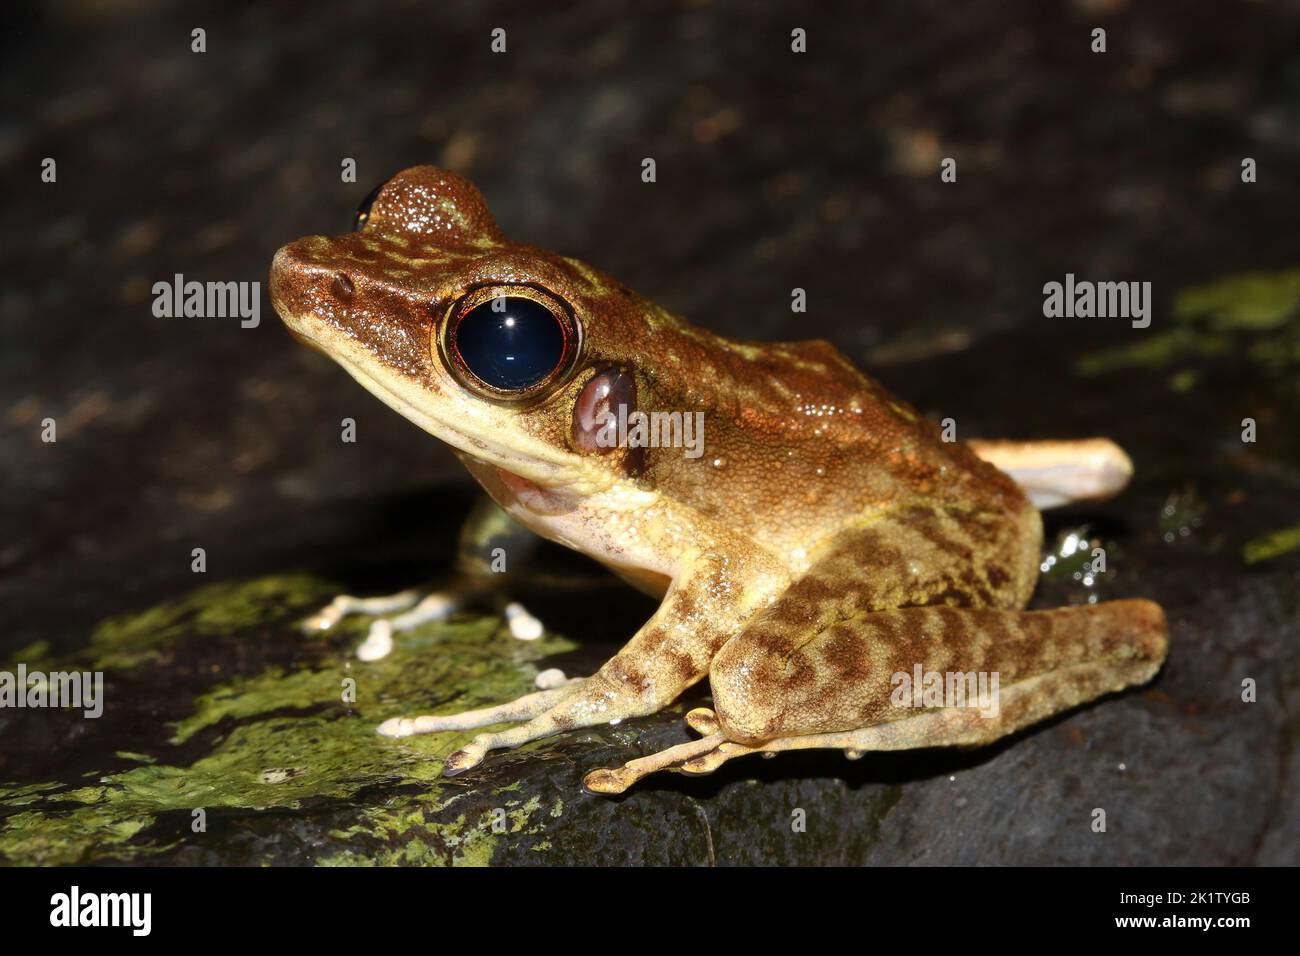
x=909 y=678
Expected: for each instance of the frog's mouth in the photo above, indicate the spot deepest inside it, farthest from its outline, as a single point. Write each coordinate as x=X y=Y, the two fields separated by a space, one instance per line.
x=521 y=469
x=409 y=398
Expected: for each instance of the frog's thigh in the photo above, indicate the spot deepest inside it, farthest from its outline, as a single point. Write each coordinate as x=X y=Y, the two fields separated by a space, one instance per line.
x=855 y=679
x=918 y=556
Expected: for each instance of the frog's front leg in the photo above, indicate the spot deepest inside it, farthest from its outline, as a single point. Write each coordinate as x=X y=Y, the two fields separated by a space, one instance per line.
x=708 y=603
x=487 y=534
x=853 y=685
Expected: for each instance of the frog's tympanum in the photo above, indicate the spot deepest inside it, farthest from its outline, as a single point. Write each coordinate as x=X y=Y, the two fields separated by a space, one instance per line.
x=836 y=569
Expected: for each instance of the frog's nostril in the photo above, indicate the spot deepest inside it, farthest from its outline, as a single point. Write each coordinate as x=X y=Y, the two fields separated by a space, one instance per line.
x=343 y=287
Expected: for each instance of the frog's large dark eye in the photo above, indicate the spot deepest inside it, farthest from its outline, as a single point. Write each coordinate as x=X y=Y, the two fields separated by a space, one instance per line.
x=363 y=210
x=510 y=346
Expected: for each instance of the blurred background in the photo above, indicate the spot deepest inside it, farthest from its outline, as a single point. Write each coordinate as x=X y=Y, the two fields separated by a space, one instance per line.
x=775 y=170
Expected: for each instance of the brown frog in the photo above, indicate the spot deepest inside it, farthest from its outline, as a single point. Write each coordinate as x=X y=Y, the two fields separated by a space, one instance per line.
x=823 y=556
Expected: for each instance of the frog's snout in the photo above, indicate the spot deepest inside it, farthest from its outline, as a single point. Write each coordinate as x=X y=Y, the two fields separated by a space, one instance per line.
x=298 y=287
x=284 y=280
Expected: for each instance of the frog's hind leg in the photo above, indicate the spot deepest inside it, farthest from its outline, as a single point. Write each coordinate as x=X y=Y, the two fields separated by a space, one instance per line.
x=866 y=683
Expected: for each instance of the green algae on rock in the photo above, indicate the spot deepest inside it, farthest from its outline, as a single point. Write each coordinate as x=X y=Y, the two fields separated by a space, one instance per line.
x=1259 y=309
x=221 y=608
x=280 y=738
x=1255 y=301
x=1271 y=545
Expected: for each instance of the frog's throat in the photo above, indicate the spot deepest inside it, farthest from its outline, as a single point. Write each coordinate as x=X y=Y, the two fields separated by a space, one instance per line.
x=560 y=476
x=516 y=494
x=538 y=464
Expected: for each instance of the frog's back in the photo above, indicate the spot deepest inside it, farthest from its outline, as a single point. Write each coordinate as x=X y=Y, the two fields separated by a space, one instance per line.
x=815 y=445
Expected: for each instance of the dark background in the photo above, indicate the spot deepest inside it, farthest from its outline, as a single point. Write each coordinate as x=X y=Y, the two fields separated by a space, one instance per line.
x=775 y=170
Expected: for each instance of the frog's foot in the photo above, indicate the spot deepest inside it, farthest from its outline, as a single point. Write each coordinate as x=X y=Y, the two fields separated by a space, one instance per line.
x=707 y=754
x=677 y=759
x=417 y=610
x=1055 y=473
x=614 y=693
x=710 y=752
x=554 y=687
x=346 y=604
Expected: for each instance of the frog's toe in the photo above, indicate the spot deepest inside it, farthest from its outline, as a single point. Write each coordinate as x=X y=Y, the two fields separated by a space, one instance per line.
x=437 y=606
x=440 y=605
x=397 y=727
x=523 y=625
x=609 y=782
x=523 y=708
x=378 y=643
x=695 y=757
x=703 y=721
x=472 y=754
x=468 y=757
x=715 y=758
x=417 y=609
x=345 y=604
x=1055 y=473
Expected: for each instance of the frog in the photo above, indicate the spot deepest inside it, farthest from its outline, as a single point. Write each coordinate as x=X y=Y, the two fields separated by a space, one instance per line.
x=825 y=542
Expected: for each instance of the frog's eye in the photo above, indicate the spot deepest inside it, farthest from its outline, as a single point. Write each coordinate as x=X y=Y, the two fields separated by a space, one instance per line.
x=510 y=343
x=363 y=210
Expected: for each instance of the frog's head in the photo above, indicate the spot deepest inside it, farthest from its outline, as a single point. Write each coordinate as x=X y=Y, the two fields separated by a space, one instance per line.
x=512 y=355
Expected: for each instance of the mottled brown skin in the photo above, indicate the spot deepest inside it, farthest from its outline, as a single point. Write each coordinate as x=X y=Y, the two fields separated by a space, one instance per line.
x=826 y=539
